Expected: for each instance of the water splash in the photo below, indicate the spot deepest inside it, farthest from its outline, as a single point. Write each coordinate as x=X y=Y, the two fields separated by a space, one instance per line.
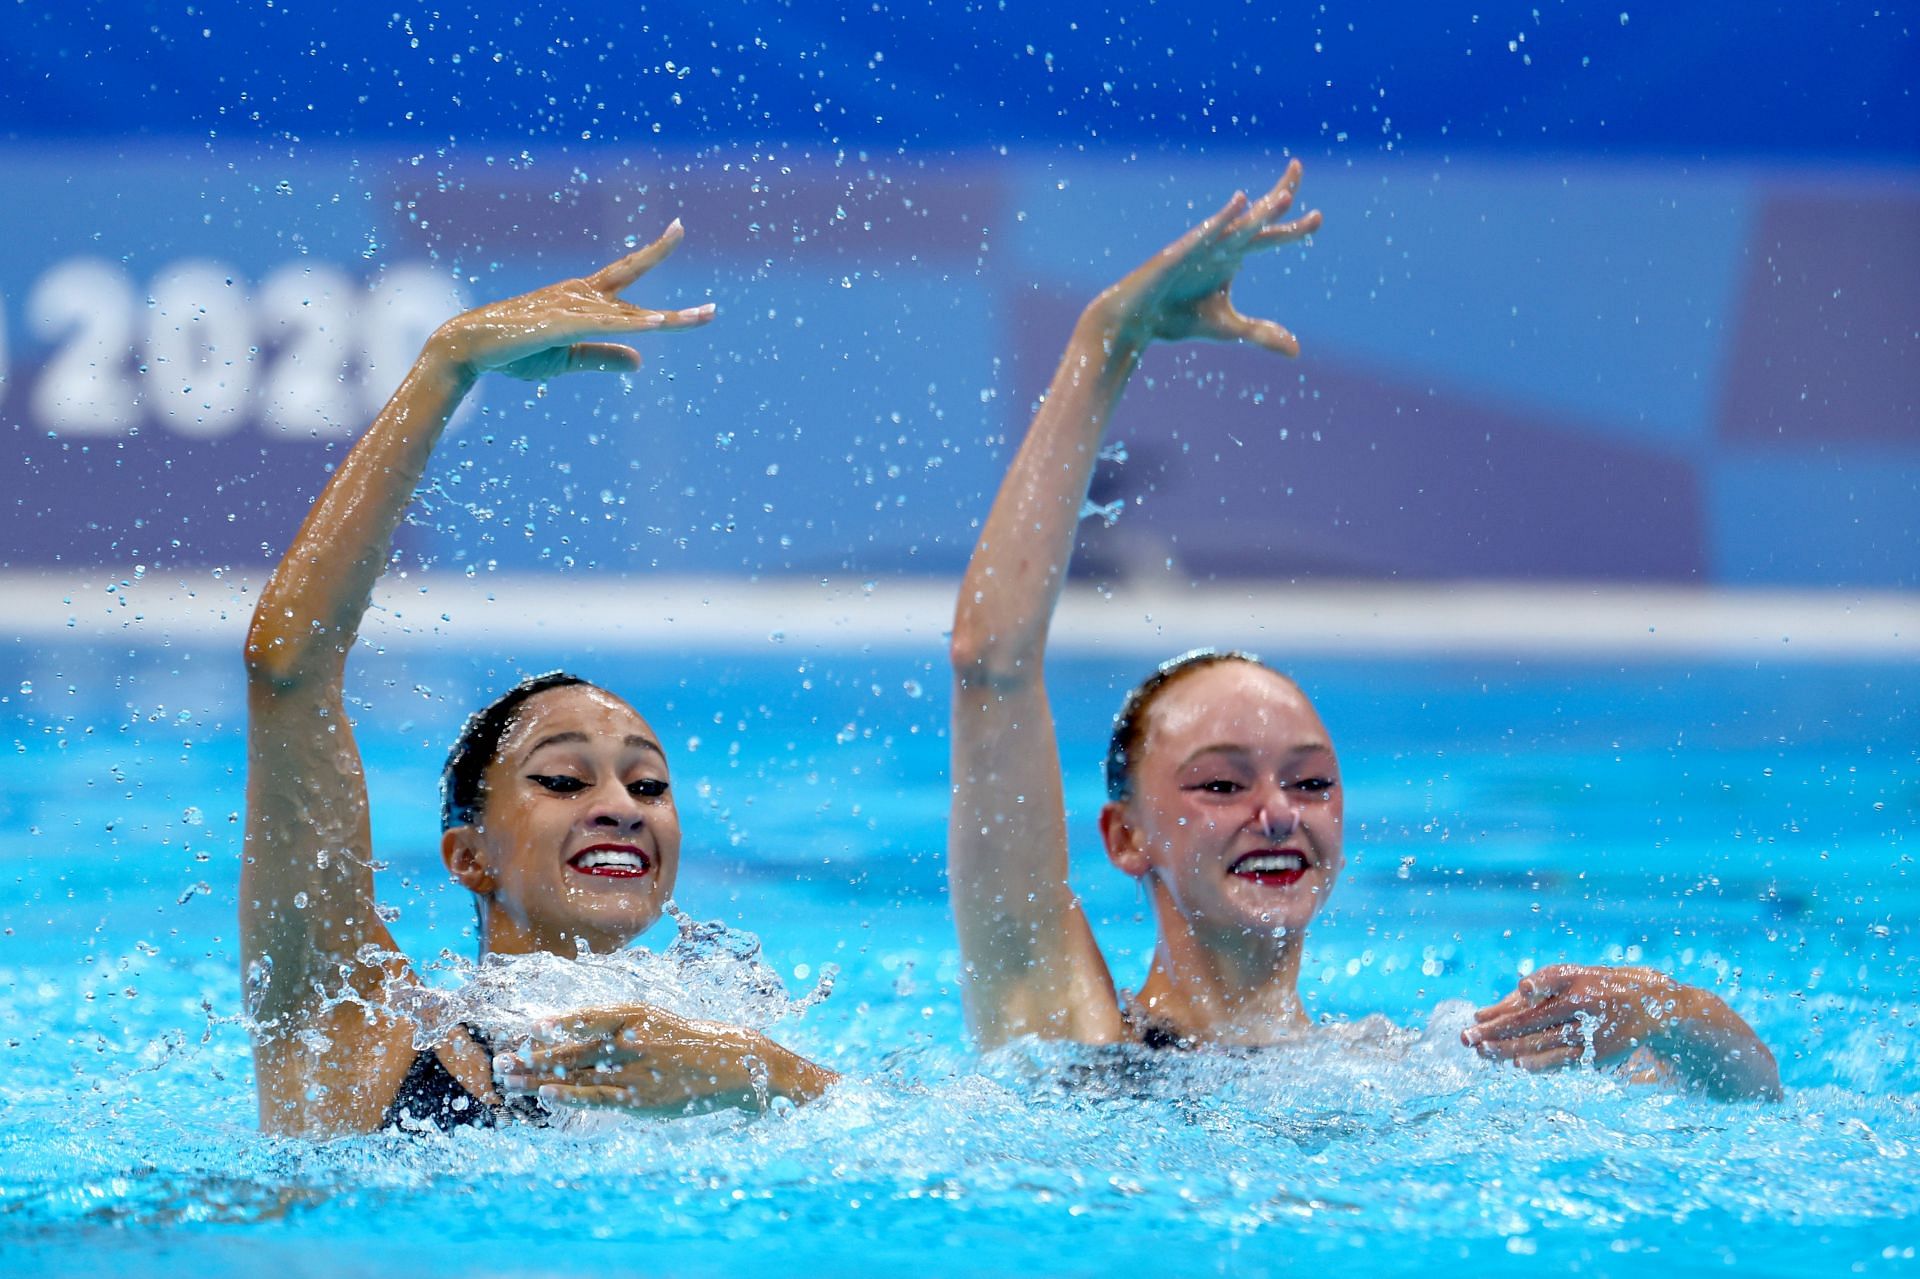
x=710 y=971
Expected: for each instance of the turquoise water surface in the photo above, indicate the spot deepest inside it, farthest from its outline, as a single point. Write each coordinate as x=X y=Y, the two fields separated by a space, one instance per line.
x=1743 y=825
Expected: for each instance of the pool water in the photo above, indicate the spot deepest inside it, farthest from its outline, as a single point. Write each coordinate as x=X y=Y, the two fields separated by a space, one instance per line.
x=1742 y=825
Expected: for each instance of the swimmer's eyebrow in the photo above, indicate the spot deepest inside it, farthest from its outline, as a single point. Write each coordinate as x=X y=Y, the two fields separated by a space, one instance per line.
x=634 y=740
x=1234 y=748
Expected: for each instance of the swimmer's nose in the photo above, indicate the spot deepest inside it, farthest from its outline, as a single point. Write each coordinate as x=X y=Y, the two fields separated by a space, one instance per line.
x=614 y=806
x=1277 y=816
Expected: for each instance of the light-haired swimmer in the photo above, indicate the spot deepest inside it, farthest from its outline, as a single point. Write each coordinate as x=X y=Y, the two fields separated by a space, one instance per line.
x=1224 y=792
x=559 y=813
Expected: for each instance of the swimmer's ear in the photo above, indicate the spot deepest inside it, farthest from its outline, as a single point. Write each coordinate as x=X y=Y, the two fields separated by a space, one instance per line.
x=1125 y=848
x=460 y=850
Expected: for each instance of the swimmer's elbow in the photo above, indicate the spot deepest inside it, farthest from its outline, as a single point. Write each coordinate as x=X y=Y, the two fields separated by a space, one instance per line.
x=966 y=650
x=983 y=659
x=1755 y=1079
x=1736 y=1085
x=272 y=665
x=277 y=658
x=265 y=654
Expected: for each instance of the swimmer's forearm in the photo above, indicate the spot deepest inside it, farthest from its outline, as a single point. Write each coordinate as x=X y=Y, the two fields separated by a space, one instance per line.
x=643 y=1058
x=1019 y=565
x=761 y=1072
x=307 y=892
x=1021 y=931
x=311 y=608
x=1712 y=1047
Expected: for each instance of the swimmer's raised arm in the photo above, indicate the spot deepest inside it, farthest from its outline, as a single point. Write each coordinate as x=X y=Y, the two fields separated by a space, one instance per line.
x=1627 y=1014
x=1030 y=962
x=310 y=611
x=306 y=901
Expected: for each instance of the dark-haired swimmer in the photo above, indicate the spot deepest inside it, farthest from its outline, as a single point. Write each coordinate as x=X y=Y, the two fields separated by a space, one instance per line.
x=1224 y=790
x=559 y=813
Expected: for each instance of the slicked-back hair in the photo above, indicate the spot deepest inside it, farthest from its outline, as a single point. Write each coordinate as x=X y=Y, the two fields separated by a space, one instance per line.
x=462 y=782
x=1130 y=725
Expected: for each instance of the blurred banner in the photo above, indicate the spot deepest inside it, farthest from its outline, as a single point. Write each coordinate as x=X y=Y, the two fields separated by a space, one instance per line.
x=1541 y=342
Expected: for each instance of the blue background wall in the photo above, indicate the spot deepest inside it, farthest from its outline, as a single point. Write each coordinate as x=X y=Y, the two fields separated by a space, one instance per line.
x=1602 y=294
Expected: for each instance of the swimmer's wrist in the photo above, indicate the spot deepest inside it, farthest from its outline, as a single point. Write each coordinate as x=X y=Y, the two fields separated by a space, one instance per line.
x=1106 y=324
x=1712 y=1046
x=792 y=1076
x=1692 y=1017
x=448 y=360
x=1675 y=1014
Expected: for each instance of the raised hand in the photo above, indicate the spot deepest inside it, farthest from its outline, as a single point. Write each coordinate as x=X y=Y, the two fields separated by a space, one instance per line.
x=1184 y=291
x=558 y=329
x=639 y=1057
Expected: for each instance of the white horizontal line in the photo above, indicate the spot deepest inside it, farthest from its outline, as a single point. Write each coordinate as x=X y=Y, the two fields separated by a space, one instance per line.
x=741 y=616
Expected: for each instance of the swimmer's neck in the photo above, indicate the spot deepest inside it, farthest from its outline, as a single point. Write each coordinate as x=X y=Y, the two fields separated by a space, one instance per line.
x=1246 y=991
x=502 y=934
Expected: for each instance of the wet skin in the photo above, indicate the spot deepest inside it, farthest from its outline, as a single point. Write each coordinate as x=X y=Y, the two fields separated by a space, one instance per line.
x=1237 y=806
x=578 y=838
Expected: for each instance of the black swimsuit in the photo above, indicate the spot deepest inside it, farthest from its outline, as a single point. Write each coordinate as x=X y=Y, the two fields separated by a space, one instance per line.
x=1160 y=1035
x=431 y=1095
x=1155 y=1033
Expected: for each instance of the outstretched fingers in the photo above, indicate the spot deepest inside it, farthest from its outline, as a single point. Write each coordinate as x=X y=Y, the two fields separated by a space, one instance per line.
x=1236 y=327
x=588 y=1026
x=585 y=320
x=1221 y=222
x=578 y=1054
x=601 y=357
x=1208 y=232
x=613 y=317
x=1274 y=337
x=1271 y=205
x=1519 y=1019
x=604 y=1096
x=1515 y=1047
x=1287 y=232
x=687 y=318
x=616 y=276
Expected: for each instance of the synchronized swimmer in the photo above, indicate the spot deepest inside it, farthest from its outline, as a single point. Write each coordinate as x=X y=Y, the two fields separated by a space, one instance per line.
x=1225 y=799
x=558 y=810
x=1224 y=796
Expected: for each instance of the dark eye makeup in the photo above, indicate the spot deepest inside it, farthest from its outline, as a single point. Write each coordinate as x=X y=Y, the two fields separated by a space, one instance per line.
x=1227 y=786
x=565 y=784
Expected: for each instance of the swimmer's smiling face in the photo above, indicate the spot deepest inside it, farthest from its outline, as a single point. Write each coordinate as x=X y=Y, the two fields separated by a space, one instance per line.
x=1236 y=812
x=577 y=839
